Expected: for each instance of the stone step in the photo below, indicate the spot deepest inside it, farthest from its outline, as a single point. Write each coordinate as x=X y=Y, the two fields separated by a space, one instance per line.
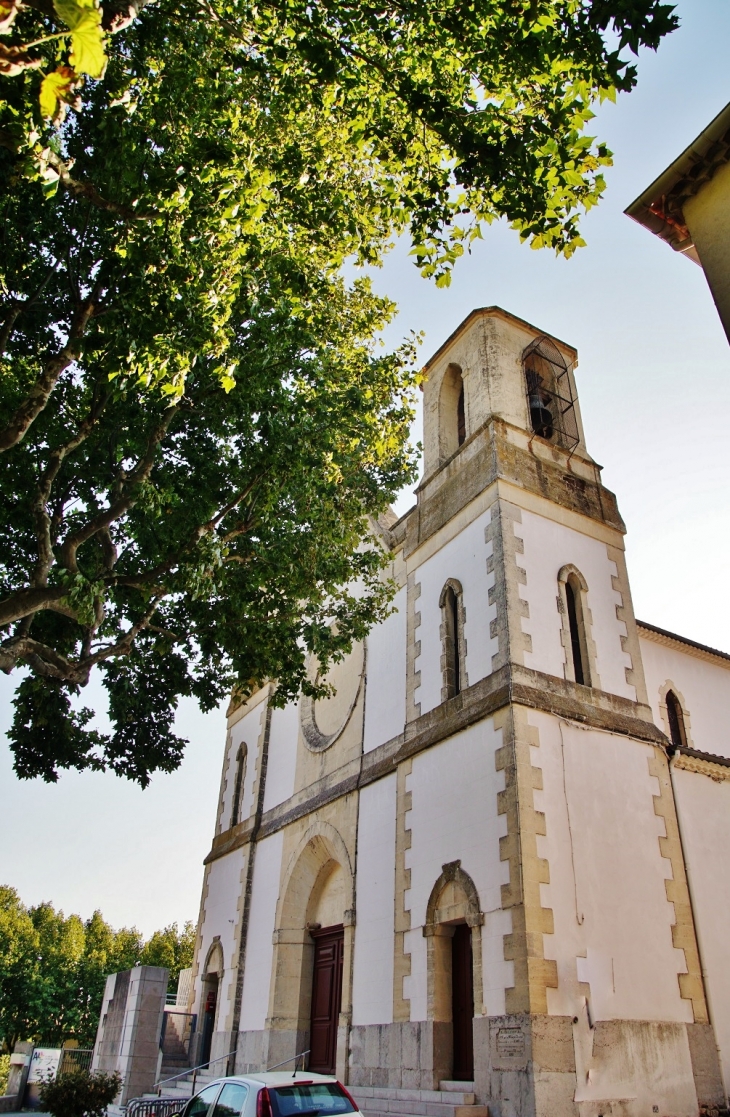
x=389 y=1096
x=375 y=1101
x=424 y=1109
x=449 y=1087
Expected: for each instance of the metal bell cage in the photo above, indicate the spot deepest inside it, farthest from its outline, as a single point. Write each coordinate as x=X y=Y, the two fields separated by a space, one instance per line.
x=550 y=397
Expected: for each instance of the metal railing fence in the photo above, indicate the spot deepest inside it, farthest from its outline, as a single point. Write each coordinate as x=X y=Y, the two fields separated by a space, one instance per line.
x=73 y=1059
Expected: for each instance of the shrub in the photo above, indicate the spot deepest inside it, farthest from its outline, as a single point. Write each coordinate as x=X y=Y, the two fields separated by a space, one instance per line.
x=79 y=1093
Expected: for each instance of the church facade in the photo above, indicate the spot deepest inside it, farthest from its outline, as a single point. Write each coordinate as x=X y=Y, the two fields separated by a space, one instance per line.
x=495 y=860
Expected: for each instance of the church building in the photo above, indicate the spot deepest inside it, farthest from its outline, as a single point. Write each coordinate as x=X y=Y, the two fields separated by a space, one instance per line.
x=490 y=874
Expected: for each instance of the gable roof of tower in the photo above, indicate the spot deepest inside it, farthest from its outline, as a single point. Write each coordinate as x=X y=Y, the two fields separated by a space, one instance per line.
x=495 y=312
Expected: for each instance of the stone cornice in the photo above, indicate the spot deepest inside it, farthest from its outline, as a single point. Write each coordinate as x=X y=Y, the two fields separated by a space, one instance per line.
x=512 y=684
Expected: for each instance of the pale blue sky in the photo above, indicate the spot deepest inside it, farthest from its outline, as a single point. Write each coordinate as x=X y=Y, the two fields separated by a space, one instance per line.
x=654 y=385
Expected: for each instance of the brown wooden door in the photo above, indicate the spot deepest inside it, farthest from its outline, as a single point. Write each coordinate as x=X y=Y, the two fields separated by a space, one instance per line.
x=326 y=998
x=462 y=993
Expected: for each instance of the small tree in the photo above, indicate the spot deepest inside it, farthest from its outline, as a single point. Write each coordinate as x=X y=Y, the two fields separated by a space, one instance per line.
x=79 y=1093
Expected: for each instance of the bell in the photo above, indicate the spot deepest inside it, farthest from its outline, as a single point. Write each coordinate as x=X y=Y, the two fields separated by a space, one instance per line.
x=540 y=417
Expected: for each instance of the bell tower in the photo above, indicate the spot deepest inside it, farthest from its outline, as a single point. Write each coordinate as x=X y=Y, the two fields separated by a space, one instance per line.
x=536 y=625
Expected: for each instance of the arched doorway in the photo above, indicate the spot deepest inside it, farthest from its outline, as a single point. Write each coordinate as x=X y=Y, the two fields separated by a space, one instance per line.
x=453 y=929
x=209 y=1001
x=311 y=993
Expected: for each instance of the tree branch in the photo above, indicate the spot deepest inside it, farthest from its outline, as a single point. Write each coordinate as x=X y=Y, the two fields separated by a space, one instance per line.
x=39 y=394
x=26 y=601
x=70 y=546
x=86 y=189
x=40 y=504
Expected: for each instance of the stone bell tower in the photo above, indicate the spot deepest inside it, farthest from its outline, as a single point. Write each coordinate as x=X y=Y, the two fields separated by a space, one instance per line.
x=606 y=992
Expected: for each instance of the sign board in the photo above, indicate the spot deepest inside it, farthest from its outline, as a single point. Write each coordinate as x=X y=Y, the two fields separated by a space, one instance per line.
x=44 y=1061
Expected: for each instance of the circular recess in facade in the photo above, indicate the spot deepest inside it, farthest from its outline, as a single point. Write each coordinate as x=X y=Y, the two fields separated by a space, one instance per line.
x=325 y=719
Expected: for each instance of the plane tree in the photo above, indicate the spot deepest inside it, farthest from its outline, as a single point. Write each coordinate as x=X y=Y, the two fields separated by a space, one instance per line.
x=198 y=429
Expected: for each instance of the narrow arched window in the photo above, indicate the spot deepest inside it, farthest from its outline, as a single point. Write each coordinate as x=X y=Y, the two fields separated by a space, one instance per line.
x=238 y=785
x=579 y=672
x=461 y=417
x=675 y=717
x=452 y=413
x=571 y=603
x=452 y=640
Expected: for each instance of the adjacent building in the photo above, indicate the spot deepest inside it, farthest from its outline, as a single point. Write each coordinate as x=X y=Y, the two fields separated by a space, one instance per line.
x=688 y=206
x=491 y=870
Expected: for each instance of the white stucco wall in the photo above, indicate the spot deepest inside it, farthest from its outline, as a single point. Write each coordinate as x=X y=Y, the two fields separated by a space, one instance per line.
x=550 y=545
x=247 y=731
x=613 y=922
x=703 y=687
x=260 y=947
x=465 y=559
x=703 y=806
x=454 y=816
x=372 y=982
x=220 y=917
x=385 y=697
x=281 y=768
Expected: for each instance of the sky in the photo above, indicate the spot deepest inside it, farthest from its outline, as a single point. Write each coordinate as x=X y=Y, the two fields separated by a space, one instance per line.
x=654 y=387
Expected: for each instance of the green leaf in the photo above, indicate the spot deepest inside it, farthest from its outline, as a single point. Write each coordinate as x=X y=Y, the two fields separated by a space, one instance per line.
x=87 y=36
x=56 y=88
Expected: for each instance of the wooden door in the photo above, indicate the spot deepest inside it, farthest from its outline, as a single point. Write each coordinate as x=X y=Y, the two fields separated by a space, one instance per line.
x=462 y=993
x=326 y=998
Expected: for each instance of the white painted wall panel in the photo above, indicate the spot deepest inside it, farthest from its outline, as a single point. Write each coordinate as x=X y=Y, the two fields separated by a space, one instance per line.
x=464 y=558
x=247 y=731
x=704 y=687
x=372 y=983
x=548 y=547
x=260 y=947
x=703 y=806
x=613 y=922
x=281 y=770
x=385 y=697
x=221 y=917
x=454 y=816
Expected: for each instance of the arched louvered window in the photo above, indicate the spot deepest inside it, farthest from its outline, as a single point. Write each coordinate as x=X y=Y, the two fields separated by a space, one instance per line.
x=675 y=716
x=238 y=785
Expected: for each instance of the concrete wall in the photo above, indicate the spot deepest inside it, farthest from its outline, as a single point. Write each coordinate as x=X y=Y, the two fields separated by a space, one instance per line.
x=548 y=546
x=264 y=896
x=702 y=686
x=128 y=1037
x=454 y=789
x=613 y=922
x=219 y=925
x=283 y=737
x=245 y=731
x=372 y=999
x=703 y=805
x=385 y=699
x=463 y=558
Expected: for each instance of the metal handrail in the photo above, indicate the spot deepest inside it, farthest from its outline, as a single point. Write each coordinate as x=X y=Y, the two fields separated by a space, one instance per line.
x=294 y=1058
x=193 y=1071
